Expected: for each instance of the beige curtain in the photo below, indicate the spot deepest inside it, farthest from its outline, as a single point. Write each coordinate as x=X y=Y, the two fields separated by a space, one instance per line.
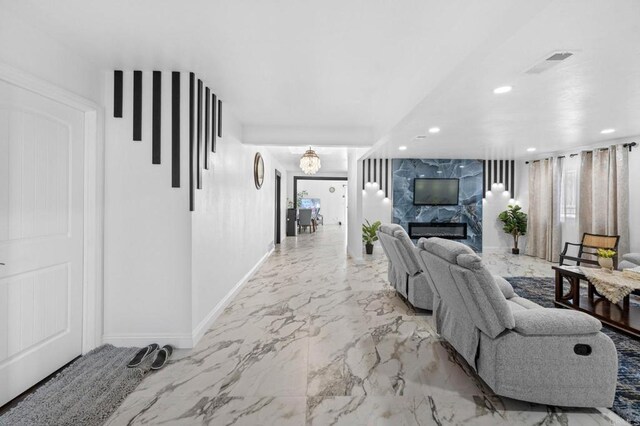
x=604 y=193
x=544 y=230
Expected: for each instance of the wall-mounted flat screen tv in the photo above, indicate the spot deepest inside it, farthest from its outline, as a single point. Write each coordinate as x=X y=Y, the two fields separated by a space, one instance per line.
x=435 y=192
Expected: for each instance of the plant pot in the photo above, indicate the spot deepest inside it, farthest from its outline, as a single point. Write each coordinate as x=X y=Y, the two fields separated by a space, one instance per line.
x=369 y=248
x=606 y=263
x=515 y=250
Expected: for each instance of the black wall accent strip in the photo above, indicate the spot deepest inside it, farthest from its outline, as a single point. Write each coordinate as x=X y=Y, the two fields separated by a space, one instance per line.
x=117 y=94
x=192 y=140
x=375 y=169
x=219 y=118
x=501 y=172
x=137 y=105
x=363 y=175
x=506 y=175
x=156 y=135
x=495 y=171
x=368 y=170
x=199 y=129
x=386 y=178
x=489 y=181
x=207 y=100
x=484 y=178
x=513 y=179
x=214 y=127
x=175 y=130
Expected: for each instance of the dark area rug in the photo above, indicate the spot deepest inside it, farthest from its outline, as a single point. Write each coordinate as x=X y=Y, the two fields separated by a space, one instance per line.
x=86 y=392
x=627 y=400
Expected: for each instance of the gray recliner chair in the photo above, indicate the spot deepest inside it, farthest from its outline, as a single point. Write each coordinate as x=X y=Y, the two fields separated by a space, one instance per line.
x=520 y=349
x=405 y=273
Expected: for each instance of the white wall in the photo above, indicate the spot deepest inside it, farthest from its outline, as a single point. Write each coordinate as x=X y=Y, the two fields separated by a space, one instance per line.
x=496 y=201
x=233 y=225
x=169 y=271
x=333 y=205
x=25 y=47
x=354 y=204
x=147 y=290
x=374 y=204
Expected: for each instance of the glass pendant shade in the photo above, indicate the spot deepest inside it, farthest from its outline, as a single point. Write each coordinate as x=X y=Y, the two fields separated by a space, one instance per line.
x=310 y=162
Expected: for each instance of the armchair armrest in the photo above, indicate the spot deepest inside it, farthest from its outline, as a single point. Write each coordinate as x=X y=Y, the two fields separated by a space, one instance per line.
x=504 y=286
x=566 y=247
x=554 y=322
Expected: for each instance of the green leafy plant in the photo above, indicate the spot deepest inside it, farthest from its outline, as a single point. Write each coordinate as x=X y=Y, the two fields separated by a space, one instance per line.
x=515 y=223
x=369 y=231
x=606 y=253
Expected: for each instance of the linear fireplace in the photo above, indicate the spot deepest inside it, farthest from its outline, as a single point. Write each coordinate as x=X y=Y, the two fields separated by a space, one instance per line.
x=451 y=231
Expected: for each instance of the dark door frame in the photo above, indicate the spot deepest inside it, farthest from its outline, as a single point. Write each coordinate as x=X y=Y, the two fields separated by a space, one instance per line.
x=297 y=178
x=278 y=212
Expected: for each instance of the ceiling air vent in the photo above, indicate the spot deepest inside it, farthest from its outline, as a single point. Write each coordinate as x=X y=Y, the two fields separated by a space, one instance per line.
x=551 y=61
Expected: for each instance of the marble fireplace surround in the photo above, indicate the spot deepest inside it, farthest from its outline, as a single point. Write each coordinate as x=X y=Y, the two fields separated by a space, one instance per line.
x=469 y=207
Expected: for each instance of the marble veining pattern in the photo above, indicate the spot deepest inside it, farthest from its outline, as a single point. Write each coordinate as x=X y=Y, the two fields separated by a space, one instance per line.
x=315 y=338
x=469 y=208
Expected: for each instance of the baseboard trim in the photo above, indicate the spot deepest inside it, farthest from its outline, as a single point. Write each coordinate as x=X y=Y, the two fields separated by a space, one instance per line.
x=141 y=340
x=204 y=325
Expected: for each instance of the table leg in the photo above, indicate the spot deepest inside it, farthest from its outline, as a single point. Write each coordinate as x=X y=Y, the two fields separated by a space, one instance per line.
x=625 y=306
x=575 y=284
x=558 y=286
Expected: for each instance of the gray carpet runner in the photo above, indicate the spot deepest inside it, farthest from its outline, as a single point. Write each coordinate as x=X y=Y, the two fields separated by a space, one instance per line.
x=85 y=393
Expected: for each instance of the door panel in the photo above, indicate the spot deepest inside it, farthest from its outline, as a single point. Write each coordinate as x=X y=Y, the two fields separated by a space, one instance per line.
x=41 y=237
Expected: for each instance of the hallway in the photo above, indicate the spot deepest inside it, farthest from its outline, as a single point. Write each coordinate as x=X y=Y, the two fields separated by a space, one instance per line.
x=315 y=338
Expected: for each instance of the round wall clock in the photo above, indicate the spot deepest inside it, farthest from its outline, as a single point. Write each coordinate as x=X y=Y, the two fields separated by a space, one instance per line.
x=258 y=170
x=332 y=189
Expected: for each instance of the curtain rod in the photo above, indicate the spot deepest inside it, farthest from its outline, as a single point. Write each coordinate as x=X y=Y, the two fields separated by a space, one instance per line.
x=629 y=145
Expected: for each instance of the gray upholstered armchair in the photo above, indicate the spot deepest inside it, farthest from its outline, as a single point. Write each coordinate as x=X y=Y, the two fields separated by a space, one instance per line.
x=405 y=273
x=520 y=349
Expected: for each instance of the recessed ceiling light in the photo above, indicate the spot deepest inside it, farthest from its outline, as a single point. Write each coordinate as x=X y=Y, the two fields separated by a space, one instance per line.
x=402 y=148
x=439 y=171
x=434 y=130
x=462 y=167
x=502 y=89
x=420 y=137
x=531 y=149
x=607 y=131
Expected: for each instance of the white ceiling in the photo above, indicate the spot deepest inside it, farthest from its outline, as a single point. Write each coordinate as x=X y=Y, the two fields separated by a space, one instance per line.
x=359 y=72
x=332 y=159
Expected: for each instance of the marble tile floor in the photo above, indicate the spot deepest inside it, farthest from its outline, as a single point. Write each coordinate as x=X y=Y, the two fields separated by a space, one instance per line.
x=315 y=338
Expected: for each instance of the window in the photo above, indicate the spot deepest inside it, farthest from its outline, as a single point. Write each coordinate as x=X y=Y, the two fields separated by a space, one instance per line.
x=569 y=196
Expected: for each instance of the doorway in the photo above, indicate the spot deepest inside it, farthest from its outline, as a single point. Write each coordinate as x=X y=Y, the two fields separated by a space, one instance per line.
x=278 y=212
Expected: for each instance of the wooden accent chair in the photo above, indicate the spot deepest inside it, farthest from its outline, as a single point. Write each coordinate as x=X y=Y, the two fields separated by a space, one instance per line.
x=587 y=249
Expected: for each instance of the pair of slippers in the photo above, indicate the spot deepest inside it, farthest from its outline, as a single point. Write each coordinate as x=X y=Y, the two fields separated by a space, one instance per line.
x=162 y=355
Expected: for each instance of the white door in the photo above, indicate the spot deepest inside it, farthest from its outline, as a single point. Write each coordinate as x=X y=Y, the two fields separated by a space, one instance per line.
x=41 y=237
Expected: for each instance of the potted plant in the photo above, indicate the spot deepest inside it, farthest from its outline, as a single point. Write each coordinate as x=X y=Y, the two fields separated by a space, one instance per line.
x=605 y=259
x=515 y=224
x=370 y=234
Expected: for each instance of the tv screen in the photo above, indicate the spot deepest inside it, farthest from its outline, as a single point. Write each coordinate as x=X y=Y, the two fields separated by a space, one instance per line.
x=435 y=192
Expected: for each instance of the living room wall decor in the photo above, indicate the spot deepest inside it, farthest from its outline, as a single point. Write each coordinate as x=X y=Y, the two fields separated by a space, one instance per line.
x=469 y=207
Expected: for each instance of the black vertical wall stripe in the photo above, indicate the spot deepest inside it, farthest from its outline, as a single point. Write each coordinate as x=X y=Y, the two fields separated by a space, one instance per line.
x=156 y=136
x=117 y=94
x=375 y=168
x=513 y=180
x=363 y=175
x=484 y=178
x=219 y=118
x=368 y=170
x=501 y=172
x=192 y=140
x=207 y=100
x=199 y=130
x=214 y=127
x=495 y=171
x=489 y=167
x=175 y=130
x=386 y=178
x=380 y=172
x=506 y=175
x=137 y=105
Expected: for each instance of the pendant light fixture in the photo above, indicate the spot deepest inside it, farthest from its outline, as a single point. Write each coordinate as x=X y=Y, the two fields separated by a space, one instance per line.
x=310 y=162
